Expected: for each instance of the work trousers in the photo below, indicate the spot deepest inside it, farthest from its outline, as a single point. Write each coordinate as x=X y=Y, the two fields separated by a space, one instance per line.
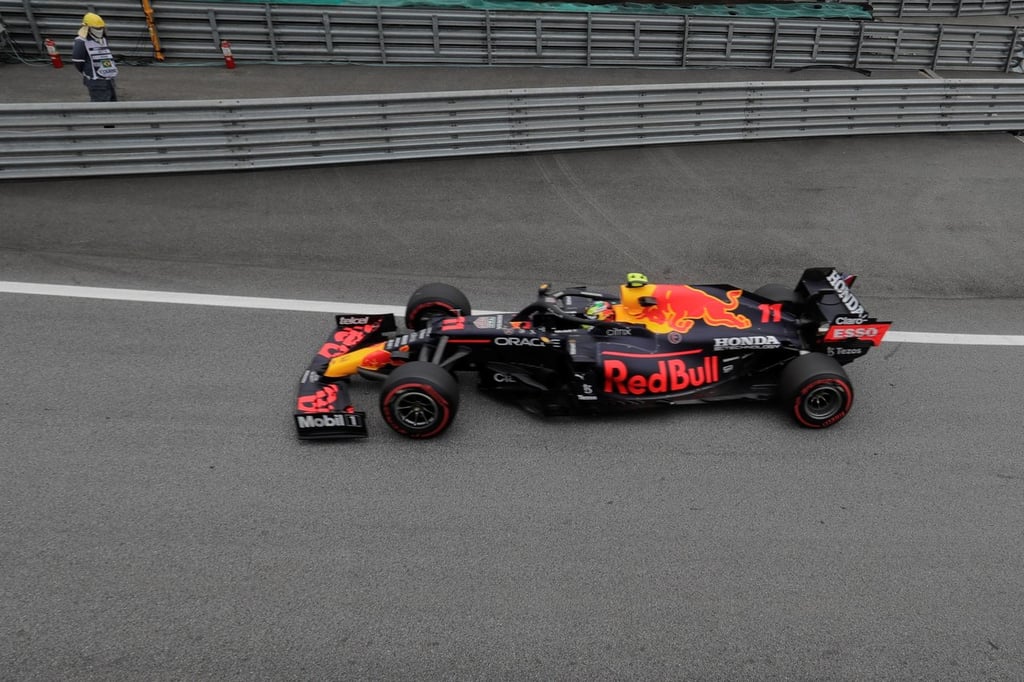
x=101 y=89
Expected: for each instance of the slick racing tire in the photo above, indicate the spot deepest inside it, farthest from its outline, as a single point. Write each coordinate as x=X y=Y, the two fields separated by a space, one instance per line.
x=815 y=389
x=419 y=399
x=433 y=300
x=778 y=292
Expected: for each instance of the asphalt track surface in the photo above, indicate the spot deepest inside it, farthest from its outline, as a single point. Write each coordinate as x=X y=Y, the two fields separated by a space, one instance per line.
x=158 y=519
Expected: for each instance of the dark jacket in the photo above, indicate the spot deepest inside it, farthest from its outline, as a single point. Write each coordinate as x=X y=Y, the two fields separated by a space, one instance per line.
x=87 y=64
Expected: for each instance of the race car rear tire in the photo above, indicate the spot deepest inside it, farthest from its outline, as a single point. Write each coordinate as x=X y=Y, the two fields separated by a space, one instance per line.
x=778 y=292
x=816 y=390
x=433 y=300
x=419 y=399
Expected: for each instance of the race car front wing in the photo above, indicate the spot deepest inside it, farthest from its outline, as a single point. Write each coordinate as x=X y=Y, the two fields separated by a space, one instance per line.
x=324 y=408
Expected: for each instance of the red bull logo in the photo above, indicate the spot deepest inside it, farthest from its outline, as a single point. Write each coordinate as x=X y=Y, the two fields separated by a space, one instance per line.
x=671 y=375
x=679 y=306
x=376 y=359
x=346 y=338
x=321 y=401
x=371 y=357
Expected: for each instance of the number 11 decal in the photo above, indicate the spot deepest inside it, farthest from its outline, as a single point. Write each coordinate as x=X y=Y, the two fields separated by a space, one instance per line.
x=771 y=312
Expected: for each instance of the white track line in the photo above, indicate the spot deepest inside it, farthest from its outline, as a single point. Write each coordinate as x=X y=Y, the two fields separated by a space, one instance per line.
x=297 y=305
x=143 y=296
x=955 y=339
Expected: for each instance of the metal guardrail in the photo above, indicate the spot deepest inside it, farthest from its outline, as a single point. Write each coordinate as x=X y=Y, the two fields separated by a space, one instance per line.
x=946 y=8
x=377 y=35
x=74 y=140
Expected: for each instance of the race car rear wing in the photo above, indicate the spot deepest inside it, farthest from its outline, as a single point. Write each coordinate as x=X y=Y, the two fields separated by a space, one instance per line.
x=845 y=330
x=323 y=408
x=829 y=289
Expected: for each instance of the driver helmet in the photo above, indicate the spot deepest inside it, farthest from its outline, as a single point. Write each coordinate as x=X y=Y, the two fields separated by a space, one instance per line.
x=600 y=310
x=635 y=280
x=94 y=24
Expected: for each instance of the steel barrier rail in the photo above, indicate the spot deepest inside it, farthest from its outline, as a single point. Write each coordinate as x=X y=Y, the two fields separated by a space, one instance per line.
x=376 y=35
x=946 y=8
x=91 y=139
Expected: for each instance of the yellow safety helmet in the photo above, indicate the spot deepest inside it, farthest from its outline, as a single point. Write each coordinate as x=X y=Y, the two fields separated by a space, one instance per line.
x=93 y=20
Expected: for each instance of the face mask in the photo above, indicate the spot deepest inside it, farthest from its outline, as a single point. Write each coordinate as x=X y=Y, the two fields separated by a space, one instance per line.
x=96 y=33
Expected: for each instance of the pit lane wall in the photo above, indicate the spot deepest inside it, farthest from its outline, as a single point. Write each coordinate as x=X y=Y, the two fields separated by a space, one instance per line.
x=93 y=139
x=380 y=34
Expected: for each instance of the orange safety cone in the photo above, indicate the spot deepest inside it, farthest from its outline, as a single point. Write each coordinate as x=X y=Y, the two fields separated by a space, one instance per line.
x=51 y=49
x=225 y=47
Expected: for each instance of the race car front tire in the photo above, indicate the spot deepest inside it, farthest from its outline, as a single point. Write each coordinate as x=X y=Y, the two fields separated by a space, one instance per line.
x=433 y=300
x=419 y=399
x=816 y=390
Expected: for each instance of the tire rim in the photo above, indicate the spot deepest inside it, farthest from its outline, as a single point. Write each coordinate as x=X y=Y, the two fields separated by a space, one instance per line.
x=416 y=410
x=824 y=402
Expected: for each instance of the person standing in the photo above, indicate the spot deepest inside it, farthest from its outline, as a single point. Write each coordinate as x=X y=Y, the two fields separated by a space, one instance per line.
x=91 y=56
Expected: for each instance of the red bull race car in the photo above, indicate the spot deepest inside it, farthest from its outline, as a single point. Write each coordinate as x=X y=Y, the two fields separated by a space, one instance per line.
x=580 y=350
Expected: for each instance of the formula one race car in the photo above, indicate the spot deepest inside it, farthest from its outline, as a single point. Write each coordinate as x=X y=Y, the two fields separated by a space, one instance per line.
x=580 y=350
